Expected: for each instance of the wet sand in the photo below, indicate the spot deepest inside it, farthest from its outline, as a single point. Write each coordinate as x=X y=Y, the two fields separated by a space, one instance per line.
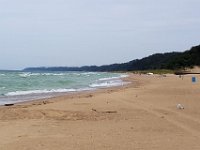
x=140 y=116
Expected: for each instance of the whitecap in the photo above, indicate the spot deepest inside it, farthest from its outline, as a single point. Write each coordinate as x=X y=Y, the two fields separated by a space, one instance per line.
x=52 y=74
x=35 y=74
x=89 y=73
x=25 y=75
x=110 y=78
x=39 y=92
x=107 y=84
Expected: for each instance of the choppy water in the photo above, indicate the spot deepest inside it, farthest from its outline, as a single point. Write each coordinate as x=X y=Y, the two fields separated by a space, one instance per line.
x=22 y=86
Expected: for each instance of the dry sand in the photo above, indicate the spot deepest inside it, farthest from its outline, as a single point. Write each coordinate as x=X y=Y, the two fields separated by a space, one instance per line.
x=141 y=116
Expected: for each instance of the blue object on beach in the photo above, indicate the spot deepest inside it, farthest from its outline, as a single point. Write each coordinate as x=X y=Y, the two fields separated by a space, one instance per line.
x=194 y=79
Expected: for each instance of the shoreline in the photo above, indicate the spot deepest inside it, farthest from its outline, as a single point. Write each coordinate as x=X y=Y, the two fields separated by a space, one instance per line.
x=32 y=95
x=141 y=115
x=126 y=82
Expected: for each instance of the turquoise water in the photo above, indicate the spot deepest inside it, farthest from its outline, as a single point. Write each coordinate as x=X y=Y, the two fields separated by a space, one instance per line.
x=22 y=86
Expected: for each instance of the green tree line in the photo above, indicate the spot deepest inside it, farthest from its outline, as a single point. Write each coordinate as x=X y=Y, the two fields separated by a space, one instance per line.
x=171 y=61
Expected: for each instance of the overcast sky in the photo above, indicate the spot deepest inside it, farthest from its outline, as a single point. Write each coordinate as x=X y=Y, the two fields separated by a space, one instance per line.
x=93 y=32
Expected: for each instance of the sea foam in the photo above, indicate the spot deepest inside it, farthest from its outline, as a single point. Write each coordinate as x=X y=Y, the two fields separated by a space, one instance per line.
x=27 y=74
x=106 y=84
x=39 y=92
x=18 y=93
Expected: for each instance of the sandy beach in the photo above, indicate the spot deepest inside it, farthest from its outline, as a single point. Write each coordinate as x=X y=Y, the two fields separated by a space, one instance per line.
x=140 y=116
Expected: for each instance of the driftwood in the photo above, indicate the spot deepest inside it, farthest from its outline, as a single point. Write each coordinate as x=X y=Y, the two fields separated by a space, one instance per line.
x=108 y=111
x=8 y=104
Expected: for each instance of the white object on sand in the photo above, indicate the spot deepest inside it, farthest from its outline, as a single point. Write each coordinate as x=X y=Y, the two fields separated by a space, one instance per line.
x=150 y=73
x=179 y=106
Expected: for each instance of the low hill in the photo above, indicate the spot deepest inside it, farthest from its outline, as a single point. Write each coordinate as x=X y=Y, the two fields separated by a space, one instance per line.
x=172 y=61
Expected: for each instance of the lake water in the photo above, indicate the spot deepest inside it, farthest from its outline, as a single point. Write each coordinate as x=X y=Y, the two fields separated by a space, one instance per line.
x=21 y=86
